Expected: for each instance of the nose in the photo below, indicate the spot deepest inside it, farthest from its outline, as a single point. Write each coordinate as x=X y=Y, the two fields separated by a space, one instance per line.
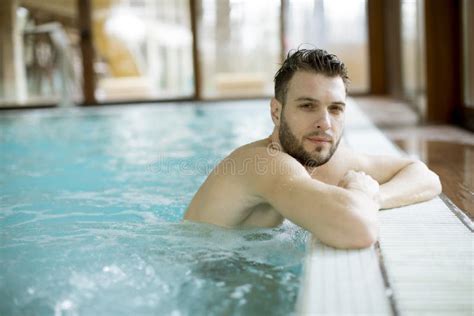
x=323 y=122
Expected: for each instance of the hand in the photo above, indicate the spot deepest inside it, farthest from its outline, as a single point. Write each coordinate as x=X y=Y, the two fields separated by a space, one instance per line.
x=358 y=180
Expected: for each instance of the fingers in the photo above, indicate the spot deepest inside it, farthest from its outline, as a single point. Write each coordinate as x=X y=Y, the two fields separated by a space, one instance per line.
x=350 y=176
x=359 y=180
x=353 y=176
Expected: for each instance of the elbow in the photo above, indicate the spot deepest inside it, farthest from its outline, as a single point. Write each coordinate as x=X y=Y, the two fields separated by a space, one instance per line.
x=432 y=187
x=356 y=227
x=363 y=234
x=365 y=230
x=433 y=183
x=367 y=237
x=362 y=240
x=437 y=187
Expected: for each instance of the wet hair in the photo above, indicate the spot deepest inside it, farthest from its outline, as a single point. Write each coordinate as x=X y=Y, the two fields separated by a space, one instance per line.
x=313 y=60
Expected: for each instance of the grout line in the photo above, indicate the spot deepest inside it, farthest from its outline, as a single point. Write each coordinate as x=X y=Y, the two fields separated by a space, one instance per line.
x=388 y=288
x=458 y=212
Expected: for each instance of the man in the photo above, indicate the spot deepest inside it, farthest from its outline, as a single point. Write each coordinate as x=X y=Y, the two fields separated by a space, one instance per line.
x=303 y=173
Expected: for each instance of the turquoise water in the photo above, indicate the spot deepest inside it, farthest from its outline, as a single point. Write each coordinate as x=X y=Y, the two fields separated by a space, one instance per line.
x=91 y=202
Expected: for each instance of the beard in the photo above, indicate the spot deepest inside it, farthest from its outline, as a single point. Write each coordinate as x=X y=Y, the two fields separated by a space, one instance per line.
x=292 y=146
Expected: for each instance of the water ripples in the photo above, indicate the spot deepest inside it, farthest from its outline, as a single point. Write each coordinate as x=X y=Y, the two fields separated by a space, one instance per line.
x=90 y=220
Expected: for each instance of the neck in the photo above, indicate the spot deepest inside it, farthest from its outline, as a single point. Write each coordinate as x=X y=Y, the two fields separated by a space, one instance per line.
x=275 y=139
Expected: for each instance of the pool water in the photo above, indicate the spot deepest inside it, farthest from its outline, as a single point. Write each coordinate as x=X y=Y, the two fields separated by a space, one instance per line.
x=91 y=201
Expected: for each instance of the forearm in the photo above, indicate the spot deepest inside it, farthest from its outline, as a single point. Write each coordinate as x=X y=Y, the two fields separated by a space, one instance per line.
x=338 y=217
x=414 y=183
x=352 y=220
x=352 y=209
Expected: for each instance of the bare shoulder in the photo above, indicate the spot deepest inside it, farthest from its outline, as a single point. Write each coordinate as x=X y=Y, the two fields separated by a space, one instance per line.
x=259 y=160
x=233 y=188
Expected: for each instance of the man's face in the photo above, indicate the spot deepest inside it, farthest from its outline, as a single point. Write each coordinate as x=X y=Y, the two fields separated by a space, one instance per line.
x=311 y=122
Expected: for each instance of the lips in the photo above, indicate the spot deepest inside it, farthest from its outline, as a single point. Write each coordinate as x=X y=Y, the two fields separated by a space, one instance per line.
x=319 y=140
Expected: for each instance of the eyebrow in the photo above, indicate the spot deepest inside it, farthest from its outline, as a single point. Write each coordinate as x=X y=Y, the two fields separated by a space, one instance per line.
x=317 y=101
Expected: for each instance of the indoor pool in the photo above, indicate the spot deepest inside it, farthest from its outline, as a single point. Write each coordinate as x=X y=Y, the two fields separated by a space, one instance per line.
x=91 y=202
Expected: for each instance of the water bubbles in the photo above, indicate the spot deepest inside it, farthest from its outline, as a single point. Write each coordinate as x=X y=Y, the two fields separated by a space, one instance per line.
x=111 y=242
x=65 y=307
x=166 y=288
x=113 y=269
x=115 y=273
x=151 y=267
x=149 y=271
x=240 y=291
x=82 y=282
x=149 y=217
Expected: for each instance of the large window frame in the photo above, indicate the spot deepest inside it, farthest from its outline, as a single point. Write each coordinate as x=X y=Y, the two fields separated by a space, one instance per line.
x=85 y=18
x=89 y=80
x=384 y=57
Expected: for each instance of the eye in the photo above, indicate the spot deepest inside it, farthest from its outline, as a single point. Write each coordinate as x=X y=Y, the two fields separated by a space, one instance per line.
x=306 y=106
x=336 y=109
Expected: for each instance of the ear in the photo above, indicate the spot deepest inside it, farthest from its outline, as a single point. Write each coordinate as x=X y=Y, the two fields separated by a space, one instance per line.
x=275 y=108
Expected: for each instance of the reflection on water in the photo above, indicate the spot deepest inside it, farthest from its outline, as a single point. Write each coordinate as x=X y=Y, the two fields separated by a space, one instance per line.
x=90 y=224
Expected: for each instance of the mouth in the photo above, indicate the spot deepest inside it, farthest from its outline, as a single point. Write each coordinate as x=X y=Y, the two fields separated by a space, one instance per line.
x=319 y=140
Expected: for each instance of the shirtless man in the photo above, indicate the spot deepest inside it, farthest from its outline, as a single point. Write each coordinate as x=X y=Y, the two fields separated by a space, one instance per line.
x=302 y=172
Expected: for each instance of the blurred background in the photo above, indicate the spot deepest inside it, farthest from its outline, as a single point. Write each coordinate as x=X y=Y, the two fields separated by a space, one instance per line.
x=63 y=52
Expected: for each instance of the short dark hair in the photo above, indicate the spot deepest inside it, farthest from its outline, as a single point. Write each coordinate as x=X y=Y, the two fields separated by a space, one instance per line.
x=313 y=60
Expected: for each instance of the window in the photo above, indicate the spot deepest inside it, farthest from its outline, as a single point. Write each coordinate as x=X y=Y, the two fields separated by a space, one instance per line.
x=323 y=24
x=239 y=47
x=143 y=49
x=413 y=61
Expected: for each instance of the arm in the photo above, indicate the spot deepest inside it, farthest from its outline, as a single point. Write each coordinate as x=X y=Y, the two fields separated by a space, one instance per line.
x=402 y=181
x=412 y=184
x=339 y=217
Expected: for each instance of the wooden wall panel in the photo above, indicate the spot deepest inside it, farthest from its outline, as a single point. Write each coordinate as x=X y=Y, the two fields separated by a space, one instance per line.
x=377 y=64
x=443 y=60
x=87 y=50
